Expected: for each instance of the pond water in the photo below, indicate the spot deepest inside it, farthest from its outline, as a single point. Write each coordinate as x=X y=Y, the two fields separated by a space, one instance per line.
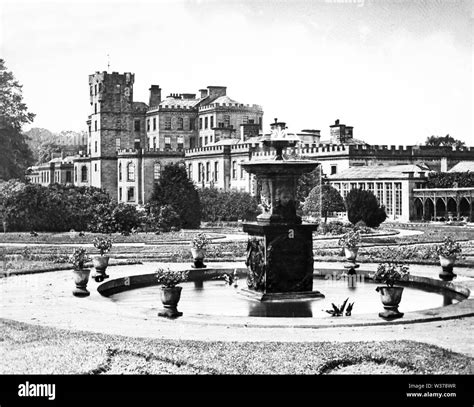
x=216 y=298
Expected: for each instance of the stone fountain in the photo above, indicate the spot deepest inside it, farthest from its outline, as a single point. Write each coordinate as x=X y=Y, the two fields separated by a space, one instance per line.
x=280 y=247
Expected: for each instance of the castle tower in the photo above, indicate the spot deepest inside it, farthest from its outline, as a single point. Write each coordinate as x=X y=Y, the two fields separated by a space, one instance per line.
x=112 y=126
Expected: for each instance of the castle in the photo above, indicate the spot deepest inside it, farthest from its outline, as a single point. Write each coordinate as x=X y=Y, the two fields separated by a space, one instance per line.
x=211 y=134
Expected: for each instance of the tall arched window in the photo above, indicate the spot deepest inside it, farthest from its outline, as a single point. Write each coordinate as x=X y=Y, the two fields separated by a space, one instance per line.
x=180 y=123
x=84 y=174
x=120 y=171
x=130 y=172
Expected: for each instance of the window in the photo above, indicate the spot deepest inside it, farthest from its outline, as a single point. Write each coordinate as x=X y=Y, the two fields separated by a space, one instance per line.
x=90 y=129
x=154 y=123
x=75 y=174
x=398 y=198
x=337 y=186
x=370 y=187
x=245 y=119
x=362 y=185
x=68 y=176
x=120 y=194
x=333 y=169
x=180 y=140
x=168 y=142
x=84 y=174
x=95 y=146
x=345 y=189
x=154 y=142
x=206 y=122
x=137 y=125
x=200 y=123
x=95 y=167
x=388 y=198
x=168 y=123
x=216 y=171
x=205 y=140
x=191 y=123
x=199 y=172
x=212 y=122
x=92 y=90
x=379 y=193
x=234 y=169
x=95 y=89
x=95 y=125
x=120 y=171
x=242 y=171
x=148 y=125
x=190 y=171
x=226 y=120
x=131 y=194
x=156 y=171
x=130 y=172
x=353 y=185
x=208 y=171
x=117 y=144
x=95 y=108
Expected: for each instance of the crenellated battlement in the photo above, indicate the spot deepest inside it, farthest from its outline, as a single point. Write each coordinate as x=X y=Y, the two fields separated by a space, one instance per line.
x=206 y=150
x=411 y=150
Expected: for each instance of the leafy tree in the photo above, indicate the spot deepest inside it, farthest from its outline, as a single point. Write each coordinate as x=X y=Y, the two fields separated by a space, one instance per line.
x=45 y=151
x=178 y=191
x=322 y=200
x=307 y=182
x=218 y=205
x=363 y=206
x=446 y=141
x=15 y=156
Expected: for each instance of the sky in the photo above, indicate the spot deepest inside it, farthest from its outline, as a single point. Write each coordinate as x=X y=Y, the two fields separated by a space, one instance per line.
x=399 y=71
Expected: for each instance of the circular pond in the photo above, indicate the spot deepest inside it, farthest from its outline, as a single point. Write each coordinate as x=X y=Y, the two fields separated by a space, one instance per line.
x=215 y=297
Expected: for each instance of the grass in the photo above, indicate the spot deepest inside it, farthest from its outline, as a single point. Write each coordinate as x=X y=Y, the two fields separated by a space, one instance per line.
x=57 y=351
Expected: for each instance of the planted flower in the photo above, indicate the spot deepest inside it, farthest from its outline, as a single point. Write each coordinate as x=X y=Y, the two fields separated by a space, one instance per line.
x=449 y=248
x=168 y=278
x=78 y=258
x=102 y=244
x=350 y=239
x=390 y=273
x=200 y=241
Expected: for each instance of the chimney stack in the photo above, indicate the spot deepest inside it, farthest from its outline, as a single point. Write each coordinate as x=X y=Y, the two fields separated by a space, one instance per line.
x=155 y=96
x=203 y=93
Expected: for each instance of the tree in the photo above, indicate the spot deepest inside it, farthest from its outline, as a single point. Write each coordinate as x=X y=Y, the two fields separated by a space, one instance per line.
x=363 y=206
x=178 y=191
x=218 y=205
x=446 y=141
x=15 y=156
x=307 y=182
x=322 y=200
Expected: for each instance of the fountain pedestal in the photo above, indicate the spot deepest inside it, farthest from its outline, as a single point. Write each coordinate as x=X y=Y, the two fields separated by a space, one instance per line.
x=280 y=261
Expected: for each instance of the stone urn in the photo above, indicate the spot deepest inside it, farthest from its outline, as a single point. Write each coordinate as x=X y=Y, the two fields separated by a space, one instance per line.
x=198 y=256
x=100 y=264
x=447 y=265
x=170 y=297
x=351 y=253
x=391 y=297
x=81 y=278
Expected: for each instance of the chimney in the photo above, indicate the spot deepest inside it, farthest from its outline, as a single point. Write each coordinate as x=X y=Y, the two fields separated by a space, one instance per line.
x=136 y=144
x=155 y=95
x=217 y=90
x=203 y=93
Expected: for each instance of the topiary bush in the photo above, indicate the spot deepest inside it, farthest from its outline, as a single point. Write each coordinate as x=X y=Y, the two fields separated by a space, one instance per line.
x=363 y=206
x=178 y=191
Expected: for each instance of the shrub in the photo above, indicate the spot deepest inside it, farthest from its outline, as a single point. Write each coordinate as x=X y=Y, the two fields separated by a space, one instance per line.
x=175 y=189
x=322 y=200
x=228 y=206
x=125 y=218
x=363 y=206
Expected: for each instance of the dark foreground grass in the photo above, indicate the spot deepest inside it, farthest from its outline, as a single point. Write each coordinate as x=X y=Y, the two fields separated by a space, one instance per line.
x=29 y=349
